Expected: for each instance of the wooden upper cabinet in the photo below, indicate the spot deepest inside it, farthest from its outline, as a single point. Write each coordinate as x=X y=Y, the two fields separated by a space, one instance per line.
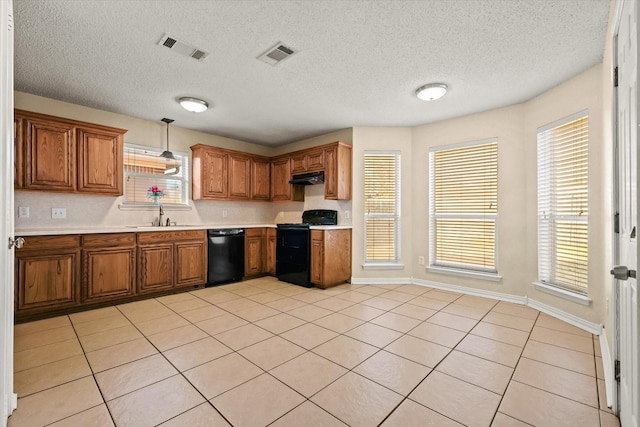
x=315 y=161
x=57 y=154
x=100 y=161
x=215 y=175
x=337 y=172
x=18 y=152
x=299 y=163
x=260 y=179
x=307 y=161
x=221 y=174
x=50 y=155
x=281 y=190
x=239 y=177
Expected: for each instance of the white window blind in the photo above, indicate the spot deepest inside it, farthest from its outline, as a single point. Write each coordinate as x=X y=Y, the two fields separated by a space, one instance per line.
x=382 y=206
x=144 y=168
x=563 y=149
x=463 y=206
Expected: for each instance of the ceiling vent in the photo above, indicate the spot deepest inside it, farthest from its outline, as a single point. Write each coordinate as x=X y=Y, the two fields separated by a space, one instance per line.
x=276 y=54
x=182 y=48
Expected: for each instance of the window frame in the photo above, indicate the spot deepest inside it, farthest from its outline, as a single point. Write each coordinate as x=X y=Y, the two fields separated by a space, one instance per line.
x=396 y=262
x=546 y=274
x=461 y=269
x=186 y=180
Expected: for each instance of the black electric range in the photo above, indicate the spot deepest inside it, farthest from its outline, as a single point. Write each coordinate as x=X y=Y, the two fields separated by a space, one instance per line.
x=293 y=246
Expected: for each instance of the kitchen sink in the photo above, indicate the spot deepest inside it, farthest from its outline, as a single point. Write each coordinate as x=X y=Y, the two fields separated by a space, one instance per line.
x=155 y=227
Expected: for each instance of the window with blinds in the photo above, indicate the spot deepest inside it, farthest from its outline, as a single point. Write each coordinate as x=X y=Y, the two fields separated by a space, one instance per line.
x=463 y=206
x=382 y=206
x=144 y=168
x=563 y=154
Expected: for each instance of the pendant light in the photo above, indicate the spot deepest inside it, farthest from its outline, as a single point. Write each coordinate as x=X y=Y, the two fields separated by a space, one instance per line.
x=167 y=154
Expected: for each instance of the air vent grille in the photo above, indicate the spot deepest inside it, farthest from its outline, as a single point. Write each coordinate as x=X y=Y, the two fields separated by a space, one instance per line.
x=276 y=54
x=182 y=48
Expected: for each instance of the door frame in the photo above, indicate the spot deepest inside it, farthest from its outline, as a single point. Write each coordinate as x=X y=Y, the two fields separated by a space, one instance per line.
x=8 y=399
x=613 y=387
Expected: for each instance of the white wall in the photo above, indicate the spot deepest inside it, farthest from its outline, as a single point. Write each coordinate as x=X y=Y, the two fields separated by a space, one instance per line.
x=516 y=129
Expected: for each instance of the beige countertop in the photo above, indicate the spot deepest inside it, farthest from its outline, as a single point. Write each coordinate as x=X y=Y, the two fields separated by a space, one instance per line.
x=50 y=231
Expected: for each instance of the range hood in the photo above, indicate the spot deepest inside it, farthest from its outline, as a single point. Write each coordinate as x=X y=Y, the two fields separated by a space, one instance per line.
x=310 y=178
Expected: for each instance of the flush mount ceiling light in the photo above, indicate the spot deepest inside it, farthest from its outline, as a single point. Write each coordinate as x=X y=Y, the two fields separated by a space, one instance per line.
x=431 y=92
x=167 y=154
x=194 y=105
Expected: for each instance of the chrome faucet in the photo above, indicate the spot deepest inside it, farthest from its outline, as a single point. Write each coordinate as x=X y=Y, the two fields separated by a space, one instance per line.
x=160 y=215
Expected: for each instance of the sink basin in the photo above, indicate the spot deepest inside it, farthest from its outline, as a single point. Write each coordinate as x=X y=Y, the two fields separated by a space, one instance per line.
x=155 y=227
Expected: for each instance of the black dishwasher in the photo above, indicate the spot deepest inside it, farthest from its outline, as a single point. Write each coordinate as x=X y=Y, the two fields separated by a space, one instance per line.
x=226 y=256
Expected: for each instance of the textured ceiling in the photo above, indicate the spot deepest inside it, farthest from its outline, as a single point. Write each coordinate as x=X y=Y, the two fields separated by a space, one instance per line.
x=358 y=62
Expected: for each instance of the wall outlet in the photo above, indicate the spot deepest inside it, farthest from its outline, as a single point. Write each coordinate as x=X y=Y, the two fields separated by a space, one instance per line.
x=347 y=214
x=224 y=213
x=58 y=213
x=421 y=260
x=23 y=212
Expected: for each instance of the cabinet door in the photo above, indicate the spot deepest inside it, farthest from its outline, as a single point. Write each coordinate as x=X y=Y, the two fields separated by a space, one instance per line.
x=239 y=177
x=317 y=259
x=260 y=173
x=299 y=163
x=280 y=176
x=253 y=252
x=50 y=156
x=271 y=251
x=99 y=161
x=315 y=161
x=18 y=152
x=108 y=273
x=330 y=174
x=45 y=281
x=214 y=175
x=337 y=172
x=191 y=259
x=155 y=267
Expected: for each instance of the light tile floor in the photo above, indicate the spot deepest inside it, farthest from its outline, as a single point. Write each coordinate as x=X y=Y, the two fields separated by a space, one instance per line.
x=263 y=352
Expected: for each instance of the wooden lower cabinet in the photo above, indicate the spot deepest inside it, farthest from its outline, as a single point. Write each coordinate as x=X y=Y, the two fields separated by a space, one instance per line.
x=330 y=257
x=108 y=266
x=191 y=259
x=47 y=271
x=155 y=267
x=254 y=251
x=56 y=275
x=271 y=251
x=171 y=259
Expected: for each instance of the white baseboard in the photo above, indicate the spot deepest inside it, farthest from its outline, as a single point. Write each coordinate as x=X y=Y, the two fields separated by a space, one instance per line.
x=591 y=327
x=609 y=371
x=594 y=328
x=472 y=291
x=381 y=281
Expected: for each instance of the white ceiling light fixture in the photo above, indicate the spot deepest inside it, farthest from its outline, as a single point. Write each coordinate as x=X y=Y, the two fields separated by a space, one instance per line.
x=194 y=105
x=431 y=91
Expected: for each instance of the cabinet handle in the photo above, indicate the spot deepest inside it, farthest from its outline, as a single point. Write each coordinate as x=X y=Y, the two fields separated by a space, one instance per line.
x=59 y=268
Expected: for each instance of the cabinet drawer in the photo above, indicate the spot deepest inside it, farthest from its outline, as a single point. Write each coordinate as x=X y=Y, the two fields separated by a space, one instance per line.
x=170 y=236
x=317 y=235
x=108 y=240
x=49 y=242
x=253 y=232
